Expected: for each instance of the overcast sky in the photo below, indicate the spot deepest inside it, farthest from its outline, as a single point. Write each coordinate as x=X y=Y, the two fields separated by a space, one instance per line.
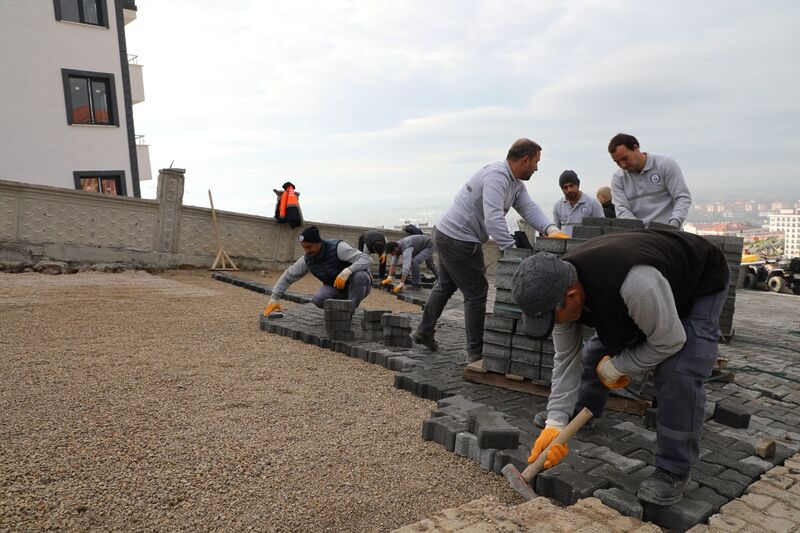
x=381 y=110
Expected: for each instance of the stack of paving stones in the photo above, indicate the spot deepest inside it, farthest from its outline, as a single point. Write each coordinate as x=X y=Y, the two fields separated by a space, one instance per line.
x=396 y=330
x=337 y=319
x=608 y=460
x=371 y=325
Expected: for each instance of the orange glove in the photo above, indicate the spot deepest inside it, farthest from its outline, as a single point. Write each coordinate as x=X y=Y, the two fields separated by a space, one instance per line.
x=399 y=288
x=341 y=280
x=272 y=307
x=610 y=376
x=555 y=454
x=387 y=281
x=558 y=235
x=382 y=259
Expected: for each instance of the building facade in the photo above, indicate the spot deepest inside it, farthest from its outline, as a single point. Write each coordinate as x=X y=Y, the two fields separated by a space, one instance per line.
x=788 y=222
x=68 y=94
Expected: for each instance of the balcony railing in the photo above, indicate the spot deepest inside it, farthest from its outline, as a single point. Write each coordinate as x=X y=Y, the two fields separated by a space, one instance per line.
x=140 y=140
x=133 y=60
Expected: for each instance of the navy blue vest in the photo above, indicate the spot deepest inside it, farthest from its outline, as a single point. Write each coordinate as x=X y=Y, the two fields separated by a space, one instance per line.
x=326 y=265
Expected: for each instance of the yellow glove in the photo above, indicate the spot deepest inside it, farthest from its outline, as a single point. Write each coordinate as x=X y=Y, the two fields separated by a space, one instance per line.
x=398 y=288
x=272 y=307
x=610 y=376
x=382 y=259
x=555 y=454
x=558 y=235
x=387 y=281
x=341 y=279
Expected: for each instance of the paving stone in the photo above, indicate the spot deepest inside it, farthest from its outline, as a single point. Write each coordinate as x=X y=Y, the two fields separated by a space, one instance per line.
x=338 y=305
x=643 y=455
x=492 y=429
x=401 y=321
x=620 y=462
x=553 y=246
x=637 y=430
x=731 y=415
x=586 y=232
x=459 y=402
x=443 y=430
x=465 y=441
x=595 y=221
x=729 y=489
x=624 y=503
x=626 y=223
x=451 y=411
x=680 y=516
x=374 y=315
x=743 y=511
x=707 y=494
x=566 y=485
x=600 y=439
x=579 y=447
x=581 y=464
x=517 y=456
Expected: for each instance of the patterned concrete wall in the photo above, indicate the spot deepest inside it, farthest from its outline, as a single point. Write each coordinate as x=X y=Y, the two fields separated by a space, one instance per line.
x=39 y=221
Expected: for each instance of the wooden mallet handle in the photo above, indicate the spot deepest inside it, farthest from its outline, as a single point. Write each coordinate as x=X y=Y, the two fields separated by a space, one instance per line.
x=574 y=425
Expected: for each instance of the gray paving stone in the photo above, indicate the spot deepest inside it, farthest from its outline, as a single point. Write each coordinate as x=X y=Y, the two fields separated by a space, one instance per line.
x=630 y=427
x=706 y=494
x=682 y=516
x=626 y=223
x=443 y=430
x=595 y=221
x=464 y=443
x=401 y=321
x=731 y=415
x=759 y=463
x=625 y=503
x=492 y=429
x=554 y=246
x=567 y=486
x=620 y=462
x=724 y=487
x=338 y=305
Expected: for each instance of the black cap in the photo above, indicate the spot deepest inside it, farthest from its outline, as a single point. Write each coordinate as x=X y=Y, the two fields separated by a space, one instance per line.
x=310 y=234
x=568 y=176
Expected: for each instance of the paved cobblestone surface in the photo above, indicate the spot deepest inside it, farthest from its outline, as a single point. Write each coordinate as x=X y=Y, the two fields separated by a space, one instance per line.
x=763 y=353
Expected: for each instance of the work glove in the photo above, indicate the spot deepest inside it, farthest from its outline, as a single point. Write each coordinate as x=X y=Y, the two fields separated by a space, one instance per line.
x=341 y=279
x=387 y=281
x=558 y=235
x=556 y=453
x=382 y=259
x=398 y=288
x=610 y=376
x=272 y=307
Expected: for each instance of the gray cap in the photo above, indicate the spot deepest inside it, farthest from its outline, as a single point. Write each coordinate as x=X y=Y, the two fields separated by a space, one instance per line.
x=538 y=286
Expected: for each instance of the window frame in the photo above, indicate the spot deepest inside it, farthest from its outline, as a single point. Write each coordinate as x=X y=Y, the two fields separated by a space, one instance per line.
x=66 y=74
x=118 y=174
x=102 y=14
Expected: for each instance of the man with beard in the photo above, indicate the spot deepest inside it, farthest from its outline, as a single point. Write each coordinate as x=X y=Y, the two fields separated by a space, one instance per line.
x=570 y=210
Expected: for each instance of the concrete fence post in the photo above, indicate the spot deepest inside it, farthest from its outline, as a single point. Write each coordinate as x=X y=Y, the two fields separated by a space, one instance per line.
x=170 y=200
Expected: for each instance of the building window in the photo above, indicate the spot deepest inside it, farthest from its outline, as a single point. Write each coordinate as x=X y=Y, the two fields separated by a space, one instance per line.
x=105 y=182
x=90 y=97
x=83 y=11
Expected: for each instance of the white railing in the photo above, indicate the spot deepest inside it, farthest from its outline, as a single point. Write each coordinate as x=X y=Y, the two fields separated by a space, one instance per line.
x=133 y=60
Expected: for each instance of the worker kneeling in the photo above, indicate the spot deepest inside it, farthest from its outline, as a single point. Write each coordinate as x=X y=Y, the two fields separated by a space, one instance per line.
x=343 y=271
x=654 y=298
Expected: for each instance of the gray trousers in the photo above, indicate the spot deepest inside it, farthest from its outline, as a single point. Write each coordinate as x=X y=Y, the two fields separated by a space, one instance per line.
x=358 y=287
x=461 y=267
x=680 y=392
x=425 y=256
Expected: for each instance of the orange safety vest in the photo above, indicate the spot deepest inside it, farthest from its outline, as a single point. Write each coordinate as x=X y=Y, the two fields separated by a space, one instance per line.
x=288 y=199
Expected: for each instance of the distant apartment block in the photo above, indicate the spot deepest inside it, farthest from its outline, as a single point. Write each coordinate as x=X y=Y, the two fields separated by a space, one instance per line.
x=788 y=222
x=67 y=96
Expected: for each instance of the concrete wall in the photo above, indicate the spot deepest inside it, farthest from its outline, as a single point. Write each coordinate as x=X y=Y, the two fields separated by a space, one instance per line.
x=36 y=143
x=39 y=221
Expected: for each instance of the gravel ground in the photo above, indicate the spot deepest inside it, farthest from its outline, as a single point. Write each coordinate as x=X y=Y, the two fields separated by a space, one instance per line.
x=139 y=402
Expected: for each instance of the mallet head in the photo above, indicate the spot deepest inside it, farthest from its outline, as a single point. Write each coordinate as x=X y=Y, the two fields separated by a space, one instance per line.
x=518 y=482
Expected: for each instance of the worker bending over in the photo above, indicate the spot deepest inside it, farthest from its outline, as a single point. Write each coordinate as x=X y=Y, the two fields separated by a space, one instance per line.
x=343 y=271
x=374 y=242
x=415 y=250
x=654 y=298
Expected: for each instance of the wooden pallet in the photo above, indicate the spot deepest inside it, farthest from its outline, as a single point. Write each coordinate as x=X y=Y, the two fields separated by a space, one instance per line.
x=475 y=373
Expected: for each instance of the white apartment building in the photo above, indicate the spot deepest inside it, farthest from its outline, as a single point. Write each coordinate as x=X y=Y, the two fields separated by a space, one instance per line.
x=67 y=96
x=788 y=222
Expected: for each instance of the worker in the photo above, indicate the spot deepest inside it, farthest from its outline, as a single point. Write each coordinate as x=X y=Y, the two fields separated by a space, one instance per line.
x=415 y=250
x=648 y=187
x=477 y=212
x=604 y=197
x=343 y=271
x=287 y=209
x=654 y=298
x=570 y=210
x=374 y=242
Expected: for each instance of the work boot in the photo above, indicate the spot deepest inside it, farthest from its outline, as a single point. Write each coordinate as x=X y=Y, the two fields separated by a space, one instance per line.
x=425 y=339
x=663 y=487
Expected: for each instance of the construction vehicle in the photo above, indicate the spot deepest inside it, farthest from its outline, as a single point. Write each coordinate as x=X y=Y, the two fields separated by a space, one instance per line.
x=773 y=275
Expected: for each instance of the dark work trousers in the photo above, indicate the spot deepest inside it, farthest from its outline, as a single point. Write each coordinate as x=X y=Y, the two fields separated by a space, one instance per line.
x=358 y=287
x=678 y=381
x=461 y=267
